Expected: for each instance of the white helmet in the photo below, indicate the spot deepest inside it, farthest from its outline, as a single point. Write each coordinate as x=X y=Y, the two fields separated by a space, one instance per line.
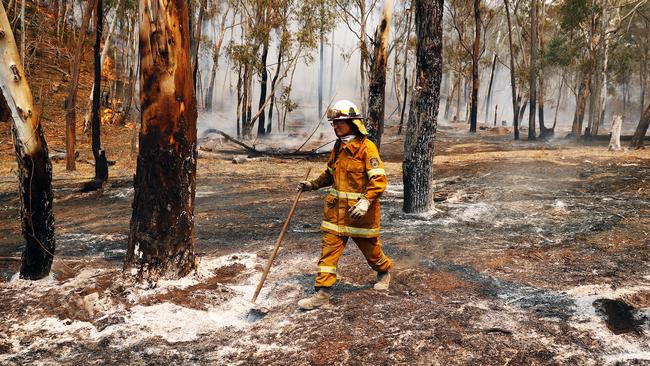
x=346 y=110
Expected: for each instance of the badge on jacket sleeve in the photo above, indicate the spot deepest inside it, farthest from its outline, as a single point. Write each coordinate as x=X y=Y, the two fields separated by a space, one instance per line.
x=374 y=163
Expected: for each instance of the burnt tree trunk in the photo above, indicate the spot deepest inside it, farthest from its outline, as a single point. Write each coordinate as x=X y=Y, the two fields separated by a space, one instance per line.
x=473 y=114
x=161 y=238
x=71 y=99
x=421 y=130
x=641 y=129
x=533 y=72
x=377 y=86
x=261 y=125
x=34 y=166
x=513 y=78
x=101 y=165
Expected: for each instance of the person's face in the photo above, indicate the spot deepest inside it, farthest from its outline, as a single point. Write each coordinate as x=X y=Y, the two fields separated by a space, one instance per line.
x=341 y=128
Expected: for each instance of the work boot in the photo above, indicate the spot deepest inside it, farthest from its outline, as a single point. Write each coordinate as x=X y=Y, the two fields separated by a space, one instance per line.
x=383 y=281
x=320 y=298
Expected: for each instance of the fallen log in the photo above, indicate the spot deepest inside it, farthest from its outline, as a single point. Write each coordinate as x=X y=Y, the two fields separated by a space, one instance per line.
x=253 y=151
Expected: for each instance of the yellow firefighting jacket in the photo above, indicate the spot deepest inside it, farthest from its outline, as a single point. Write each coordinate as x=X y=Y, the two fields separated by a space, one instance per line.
x=354 y=172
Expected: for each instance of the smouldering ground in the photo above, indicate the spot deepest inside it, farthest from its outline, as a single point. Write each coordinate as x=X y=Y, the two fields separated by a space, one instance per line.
x=534 y=248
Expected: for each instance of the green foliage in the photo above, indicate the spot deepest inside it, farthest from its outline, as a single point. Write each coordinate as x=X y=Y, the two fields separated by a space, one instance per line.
x=622 y=63
x=285 y=100
x=557 y=52
x=573 y=13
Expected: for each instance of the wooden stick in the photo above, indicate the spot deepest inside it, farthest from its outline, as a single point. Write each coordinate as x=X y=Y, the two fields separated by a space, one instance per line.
x=277 y=242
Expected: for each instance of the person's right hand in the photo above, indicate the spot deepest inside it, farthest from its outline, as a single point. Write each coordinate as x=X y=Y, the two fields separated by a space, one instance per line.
x=305 y=186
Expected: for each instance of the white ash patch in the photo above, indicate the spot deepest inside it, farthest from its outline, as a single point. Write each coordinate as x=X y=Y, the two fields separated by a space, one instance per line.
x=121 y=193
x=89 y=239
x=166 y=320
x=616 y=348
x=393 y=191
x=474 y=212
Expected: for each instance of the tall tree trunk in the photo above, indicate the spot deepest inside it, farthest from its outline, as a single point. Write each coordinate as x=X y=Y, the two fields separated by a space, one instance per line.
x=626 y=96
x=473 y=115
x=71 y=99
x=543 y=131
x=273 y=85
x=559 y=99
x=604 y=39
x=196 y=40
x=533 y=72
x=641 y=129
x=405 y=66
x=450 y=97
x=457 y=116
x=363 y=58
x=34 y=166
x=513 y=78
x=643 y=81
x=249 y=104
x=581 y=104
x=161 y=239
x=101 y=165
x=321 y=68
x=215 y=61
x=421 y=130
x=377 y=87
x=209 y=95
x=261 y=125
x=239 y=100
x=488 y=99
x=331 y=90
x=107 y=43
x=245 y=129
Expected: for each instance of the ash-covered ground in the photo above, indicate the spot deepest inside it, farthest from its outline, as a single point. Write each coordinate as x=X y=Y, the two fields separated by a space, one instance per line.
x=538 y=253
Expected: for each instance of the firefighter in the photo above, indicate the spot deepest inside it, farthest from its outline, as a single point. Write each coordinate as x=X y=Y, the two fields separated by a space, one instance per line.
x=357 y=179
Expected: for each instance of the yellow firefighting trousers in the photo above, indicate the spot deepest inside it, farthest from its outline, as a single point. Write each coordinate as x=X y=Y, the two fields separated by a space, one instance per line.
x=332 y=247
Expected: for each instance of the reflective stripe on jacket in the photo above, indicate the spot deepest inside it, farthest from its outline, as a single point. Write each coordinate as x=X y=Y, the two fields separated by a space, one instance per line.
x=357 y=172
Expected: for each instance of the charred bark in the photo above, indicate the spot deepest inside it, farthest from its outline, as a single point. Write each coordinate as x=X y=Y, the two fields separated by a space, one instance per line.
x=34 y=166
x=101 y=164
x=421 y=130
x=261 y=125
x=641 y=129
x=161 y=238
x=377 y=86
x=473 y=114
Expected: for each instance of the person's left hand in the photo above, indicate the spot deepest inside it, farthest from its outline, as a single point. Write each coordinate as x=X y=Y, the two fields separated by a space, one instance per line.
x=360 y=209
